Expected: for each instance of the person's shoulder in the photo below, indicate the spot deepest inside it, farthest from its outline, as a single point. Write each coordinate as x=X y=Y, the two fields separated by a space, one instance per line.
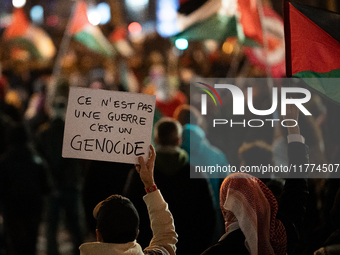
x=232 y=244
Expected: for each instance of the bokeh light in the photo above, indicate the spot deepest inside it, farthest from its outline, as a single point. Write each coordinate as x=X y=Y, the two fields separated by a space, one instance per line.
x=166 y=13
x=37 y=14
x=136 y=5
x=93 y=16
x=18 y=3
x=182 y=43
x=52 y=21
x=228 y=45
x=135 y=28
x=104 y=11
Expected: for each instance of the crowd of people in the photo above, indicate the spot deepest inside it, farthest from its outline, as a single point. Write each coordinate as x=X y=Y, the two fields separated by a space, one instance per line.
x=226 y=215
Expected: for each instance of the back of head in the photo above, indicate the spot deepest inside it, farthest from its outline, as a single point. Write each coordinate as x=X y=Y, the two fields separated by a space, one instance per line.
x=117 y=219
x=247 y=200
x=187 y=114
x=168 y=131
x=256 y=153
x=249 y=186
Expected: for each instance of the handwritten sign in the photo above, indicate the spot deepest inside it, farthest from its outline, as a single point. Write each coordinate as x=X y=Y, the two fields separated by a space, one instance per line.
x=108 y=125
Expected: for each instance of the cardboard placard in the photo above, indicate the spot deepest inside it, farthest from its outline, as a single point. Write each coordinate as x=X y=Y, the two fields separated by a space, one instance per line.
x=108 y=125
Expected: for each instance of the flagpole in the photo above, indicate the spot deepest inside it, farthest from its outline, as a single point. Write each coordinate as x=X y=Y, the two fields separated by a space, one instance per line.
x=57 y=65
x=234 y=64
x=286 y=22
x=65 y=42
x=245 y=68
x=265 y=43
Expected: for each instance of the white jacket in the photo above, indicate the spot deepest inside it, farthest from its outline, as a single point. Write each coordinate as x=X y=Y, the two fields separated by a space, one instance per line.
x=162 y=224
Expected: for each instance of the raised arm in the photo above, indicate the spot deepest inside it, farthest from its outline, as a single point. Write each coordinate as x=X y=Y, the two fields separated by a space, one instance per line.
x=145 y=170
x=162 y=224
x=292 y=113
x=293 y=200
x=297 y=150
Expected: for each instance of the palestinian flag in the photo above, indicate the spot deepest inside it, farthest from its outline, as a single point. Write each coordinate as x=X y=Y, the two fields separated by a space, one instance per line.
x=312 y=38
x=218 y=20
x=119 y=40
x=273 y=55
x=22 y=35
x=84 y=32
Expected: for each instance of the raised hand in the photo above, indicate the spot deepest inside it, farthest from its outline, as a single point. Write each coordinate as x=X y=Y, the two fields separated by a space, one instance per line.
x=145 y=170
x=292 y=112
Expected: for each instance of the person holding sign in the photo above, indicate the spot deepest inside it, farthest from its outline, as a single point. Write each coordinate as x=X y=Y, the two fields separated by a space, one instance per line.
x=118 y=220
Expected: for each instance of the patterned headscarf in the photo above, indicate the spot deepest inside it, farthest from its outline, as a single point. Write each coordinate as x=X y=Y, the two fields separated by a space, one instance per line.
x=247 y=200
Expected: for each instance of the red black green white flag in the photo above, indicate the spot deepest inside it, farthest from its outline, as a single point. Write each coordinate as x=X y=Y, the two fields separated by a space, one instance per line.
x=312 y=38
x=21 y=34
x=271 y=55
x=84 y=32
x=119 y=40
x=218 y=20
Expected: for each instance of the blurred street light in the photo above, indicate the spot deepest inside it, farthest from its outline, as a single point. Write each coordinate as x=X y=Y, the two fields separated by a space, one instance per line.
x=104 y=11
x=182 y=43
x=18 y=3
x=37 y=14
x=93 y=16
x=135 y=28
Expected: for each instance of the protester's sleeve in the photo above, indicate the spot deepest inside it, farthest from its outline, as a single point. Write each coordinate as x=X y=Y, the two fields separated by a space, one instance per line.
x=293 y=200
x=162 y=225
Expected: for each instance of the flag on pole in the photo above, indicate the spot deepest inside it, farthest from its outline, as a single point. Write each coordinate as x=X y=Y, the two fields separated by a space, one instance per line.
x=219 y=19
x=313 y=41
x=274 y=53
x=312 y=37
x=119 y=40
x=84 y=32
x=22 y=34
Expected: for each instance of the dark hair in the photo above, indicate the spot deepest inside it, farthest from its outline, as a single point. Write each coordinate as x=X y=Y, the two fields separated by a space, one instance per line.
x=167 y=131
x=117 y=219
x=256 y=153
x=188 y=114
